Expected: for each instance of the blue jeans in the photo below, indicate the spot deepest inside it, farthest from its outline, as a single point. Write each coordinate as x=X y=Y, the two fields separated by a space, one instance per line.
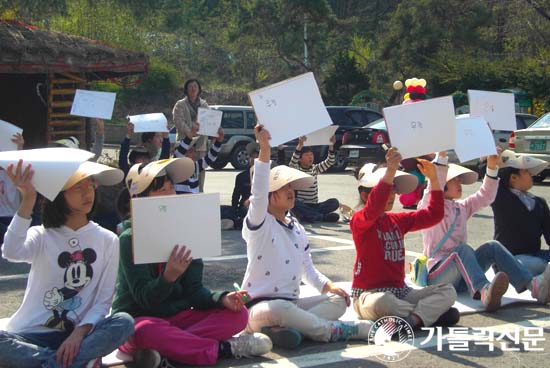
x=465 y=268
x=535 y=262
x=38 y=349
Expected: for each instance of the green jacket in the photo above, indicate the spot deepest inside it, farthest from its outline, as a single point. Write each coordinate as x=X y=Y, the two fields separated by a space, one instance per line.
x=142 y=291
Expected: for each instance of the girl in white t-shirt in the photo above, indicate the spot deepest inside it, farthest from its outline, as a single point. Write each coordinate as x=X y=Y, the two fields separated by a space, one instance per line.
x=62 y=319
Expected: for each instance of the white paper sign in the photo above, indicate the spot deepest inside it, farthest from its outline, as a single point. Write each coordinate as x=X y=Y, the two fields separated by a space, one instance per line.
x=52 y=166
x=291 y=108
x=473 y=138
x=7 y=130
x=157 y=225
x=321 y=137
x=209 y=121
x=497 y=108
x=93 y=104
x=155 y=122
x=420 y=128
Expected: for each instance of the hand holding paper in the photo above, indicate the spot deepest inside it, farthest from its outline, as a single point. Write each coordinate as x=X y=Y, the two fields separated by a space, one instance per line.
x=22 y=179
x=52 y=166
x=177 y=264
x=210 y=121
x=220 y=136
x=155 y=122
x=7 y=131
x=18 y=140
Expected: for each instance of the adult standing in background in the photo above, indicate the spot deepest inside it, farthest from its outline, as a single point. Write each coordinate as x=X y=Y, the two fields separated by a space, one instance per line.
x=185 y=115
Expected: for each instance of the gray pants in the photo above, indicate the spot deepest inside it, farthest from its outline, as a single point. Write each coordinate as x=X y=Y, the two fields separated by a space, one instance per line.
x=311 y=316
x=427 y=303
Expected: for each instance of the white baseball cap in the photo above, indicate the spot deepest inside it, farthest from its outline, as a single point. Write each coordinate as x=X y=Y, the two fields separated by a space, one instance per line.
x=516 y=161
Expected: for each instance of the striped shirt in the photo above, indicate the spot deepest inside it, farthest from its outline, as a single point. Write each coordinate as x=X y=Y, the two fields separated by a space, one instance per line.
x=191 y=185
x=310 y=195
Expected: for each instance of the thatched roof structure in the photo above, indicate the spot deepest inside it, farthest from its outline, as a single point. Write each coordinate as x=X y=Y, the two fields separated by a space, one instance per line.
x=28 y=49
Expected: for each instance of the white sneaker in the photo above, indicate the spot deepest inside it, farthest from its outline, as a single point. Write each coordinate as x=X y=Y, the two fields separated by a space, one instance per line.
x=227 y=224
x=540 y=286
x=248 y=345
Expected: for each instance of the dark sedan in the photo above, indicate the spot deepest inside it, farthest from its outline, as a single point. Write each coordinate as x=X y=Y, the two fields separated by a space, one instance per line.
x=363 y=145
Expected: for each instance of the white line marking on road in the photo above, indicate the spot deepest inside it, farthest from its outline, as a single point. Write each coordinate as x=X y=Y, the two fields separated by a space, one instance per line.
x=368 y=351
x=14 y=277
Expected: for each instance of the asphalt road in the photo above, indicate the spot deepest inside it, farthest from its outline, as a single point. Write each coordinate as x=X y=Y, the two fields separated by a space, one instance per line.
x=336 y=261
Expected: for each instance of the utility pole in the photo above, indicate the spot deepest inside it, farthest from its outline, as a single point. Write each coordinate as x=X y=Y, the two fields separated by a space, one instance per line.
x=306 y=61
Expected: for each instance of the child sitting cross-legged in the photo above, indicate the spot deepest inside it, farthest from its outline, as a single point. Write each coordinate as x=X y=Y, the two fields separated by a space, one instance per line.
x=456 y=262
x=378 y=287
x=279 y=259
x=62 y=321
x=177 y=318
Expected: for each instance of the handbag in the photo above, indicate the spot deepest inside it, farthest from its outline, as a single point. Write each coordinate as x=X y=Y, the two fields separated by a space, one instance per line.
x=418 y=268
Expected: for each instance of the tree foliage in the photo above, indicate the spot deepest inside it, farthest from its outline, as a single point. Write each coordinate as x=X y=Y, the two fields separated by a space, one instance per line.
x=246 y=44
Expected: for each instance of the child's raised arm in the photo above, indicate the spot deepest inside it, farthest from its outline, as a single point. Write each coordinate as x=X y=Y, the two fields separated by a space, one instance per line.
x=259 y=199
x=21 y=178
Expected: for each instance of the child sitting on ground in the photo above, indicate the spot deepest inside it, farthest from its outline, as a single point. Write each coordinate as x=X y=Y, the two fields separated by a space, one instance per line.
x=184 y=149
x=456 y=262
x=176 y=316
x=521 y=218
x=74 y=262
x=155 y=146
x=378 y=287
x=279 y=259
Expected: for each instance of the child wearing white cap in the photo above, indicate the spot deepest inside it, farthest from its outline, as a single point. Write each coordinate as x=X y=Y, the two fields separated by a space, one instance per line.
x=521 y=218
x=456 y=262
x=62 y=319
x=279 y=259
x=378 y=287
x=177 y=318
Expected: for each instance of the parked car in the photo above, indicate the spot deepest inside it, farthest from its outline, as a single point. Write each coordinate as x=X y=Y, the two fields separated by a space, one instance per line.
x=238 y=124
x=365 y=144
x=534 y=141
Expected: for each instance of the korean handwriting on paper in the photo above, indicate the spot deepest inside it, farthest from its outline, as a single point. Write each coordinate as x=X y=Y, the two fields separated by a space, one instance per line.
x=416 y=124
x=268 y=102
x=163 y=208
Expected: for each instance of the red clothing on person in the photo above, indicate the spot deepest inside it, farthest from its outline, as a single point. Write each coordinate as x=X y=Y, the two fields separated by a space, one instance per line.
x=379 y=238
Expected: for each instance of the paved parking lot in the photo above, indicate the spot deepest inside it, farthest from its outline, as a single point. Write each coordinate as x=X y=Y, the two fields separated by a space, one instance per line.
x=334 y=255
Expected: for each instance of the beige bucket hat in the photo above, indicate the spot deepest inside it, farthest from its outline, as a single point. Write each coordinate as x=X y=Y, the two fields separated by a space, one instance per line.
x=102 y=174
x=177 y=169
x=132 y=173
x=516 y=161
x=403 y=182
x=282 y=175
x=468 y=176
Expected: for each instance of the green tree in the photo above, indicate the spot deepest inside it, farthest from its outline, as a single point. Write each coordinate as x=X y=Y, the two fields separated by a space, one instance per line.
x=344 y=81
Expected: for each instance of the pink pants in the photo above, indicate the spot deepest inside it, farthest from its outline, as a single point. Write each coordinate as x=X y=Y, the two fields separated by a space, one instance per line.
x=190 y=337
